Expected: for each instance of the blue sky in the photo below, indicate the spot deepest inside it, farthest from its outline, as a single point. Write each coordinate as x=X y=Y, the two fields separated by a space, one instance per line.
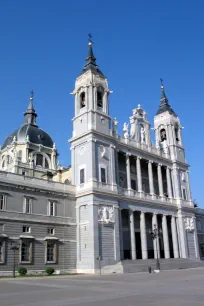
x=44 y=44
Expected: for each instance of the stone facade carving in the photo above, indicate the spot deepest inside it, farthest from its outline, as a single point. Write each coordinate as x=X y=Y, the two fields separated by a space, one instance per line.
x=143 y=135
x=189 y=224
x=106 y=214
x=125 y=130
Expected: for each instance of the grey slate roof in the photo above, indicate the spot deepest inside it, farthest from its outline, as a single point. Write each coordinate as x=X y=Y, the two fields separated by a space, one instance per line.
x=30 y=129
x=91 y=62
x=164 y=104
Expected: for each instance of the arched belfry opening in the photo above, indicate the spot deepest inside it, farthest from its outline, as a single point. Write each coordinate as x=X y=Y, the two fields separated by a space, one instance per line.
x=100 y=92
x=82 y=100
x=177 y=132
x=163 y=134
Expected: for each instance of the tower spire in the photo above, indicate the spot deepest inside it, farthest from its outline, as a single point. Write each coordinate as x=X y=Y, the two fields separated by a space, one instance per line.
x=164 y=102
x=90 y=59
x=30 y=114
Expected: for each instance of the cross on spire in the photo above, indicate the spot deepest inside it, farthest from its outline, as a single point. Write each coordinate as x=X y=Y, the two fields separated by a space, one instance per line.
x=90 y=38
x=31 y=94
x=161 y=80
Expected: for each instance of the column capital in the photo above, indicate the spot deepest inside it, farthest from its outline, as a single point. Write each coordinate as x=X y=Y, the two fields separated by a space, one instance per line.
x=159 y=165
x=112 y=146
x=138 y=157
x=143 y=212
x=128 y=154
x=150 y=161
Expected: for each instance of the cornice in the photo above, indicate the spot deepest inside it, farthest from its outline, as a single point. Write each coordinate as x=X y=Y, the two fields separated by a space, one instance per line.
x=120 y=197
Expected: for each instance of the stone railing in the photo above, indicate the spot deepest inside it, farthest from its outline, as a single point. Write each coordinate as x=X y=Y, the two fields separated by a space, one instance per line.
x=35 y=182
x=142 y=146
x=132 y=193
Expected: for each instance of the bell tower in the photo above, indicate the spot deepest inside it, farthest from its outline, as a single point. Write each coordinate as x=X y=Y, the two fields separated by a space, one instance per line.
x=91 y=98
x=168 y=130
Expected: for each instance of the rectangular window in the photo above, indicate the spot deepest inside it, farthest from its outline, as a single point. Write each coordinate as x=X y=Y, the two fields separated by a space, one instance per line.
x=51 y=231
x=51 y=251
x=28 y=206
x=82 y=176
x=51 y=208
x=25 y=251
x=184 y=194
x=26 y=229
x=2 y=251
x=103 y=175
x=2 y=201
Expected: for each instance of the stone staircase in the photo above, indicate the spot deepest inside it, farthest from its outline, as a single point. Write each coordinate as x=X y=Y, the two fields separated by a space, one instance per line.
x=134 y=266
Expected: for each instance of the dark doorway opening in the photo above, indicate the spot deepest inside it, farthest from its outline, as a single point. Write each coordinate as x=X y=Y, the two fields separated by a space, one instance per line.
x=138 y=246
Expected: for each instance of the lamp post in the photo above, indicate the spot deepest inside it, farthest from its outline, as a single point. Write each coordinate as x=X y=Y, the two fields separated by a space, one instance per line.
x=14 y=247
x=155 y=233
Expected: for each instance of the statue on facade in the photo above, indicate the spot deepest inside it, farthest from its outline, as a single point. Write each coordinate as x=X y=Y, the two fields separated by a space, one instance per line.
x=106 y=214
x=189 y=224
x=143 y=135
x=115 y=126
x=125 y=130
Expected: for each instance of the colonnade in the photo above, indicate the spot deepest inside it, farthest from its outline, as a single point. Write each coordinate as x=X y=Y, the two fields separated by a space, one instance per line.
x=156 y=242
x=150 y=175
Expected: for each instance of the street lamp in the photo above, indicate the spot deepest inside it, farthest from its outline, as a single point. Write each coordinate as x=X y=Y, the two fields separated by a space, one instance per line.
x=14 y=247
x=155 y=233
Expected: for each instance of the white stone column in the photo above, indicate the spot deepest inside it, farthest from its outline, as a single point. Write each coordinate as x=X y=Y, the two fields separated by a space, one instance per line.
x=156 y=244
x=169 y=185
x=74 y=166
x=151 y=179
x=196 y=239
x=182 y=235
x=128 y=171
x=76 y=103
x=161 y=192
x=174 y=237
x=176 y=180
x=112 y=166
x=188 y=186
x=143 y=235
x=132 y=234
x=121 y=235
x=94 y=105
x=139 y=174
x=165 y=237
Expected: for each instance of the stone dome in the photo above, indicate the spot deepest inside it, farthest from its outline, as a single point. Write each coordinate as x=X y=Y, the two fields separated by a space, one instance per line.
x=29 y=130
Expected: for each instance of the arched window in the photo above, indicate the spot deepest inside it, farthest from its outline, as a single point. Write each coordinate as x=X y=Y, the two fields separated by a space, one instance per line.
x=163 y=134
x=100 y=97
x=9 y=159
x=3 y=164
x=82 y=100
x=41 y=160
x=20 y=155
x=46 y=164
x=177 y=132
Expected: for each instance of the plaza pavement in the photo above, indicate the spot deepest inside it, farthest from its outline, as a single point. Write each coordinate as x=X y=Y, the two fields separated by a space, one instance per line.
x=179 y=288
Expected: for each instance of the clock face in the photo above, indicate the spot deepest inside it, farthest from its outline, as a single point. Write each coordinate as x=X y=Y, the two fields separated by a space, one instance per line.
x=132 y=168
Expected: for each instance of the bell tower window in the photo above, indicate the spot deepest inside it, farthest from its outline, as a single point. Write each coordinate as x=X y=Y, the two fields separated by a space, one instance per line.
x=163 y=135
x=177 y=133
x=100 y=97
x=82 y=100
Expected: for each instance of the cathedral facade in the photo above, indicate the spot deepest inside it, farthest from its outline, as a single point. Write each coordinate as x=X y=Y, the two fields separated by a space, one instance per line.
x=119 y=191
